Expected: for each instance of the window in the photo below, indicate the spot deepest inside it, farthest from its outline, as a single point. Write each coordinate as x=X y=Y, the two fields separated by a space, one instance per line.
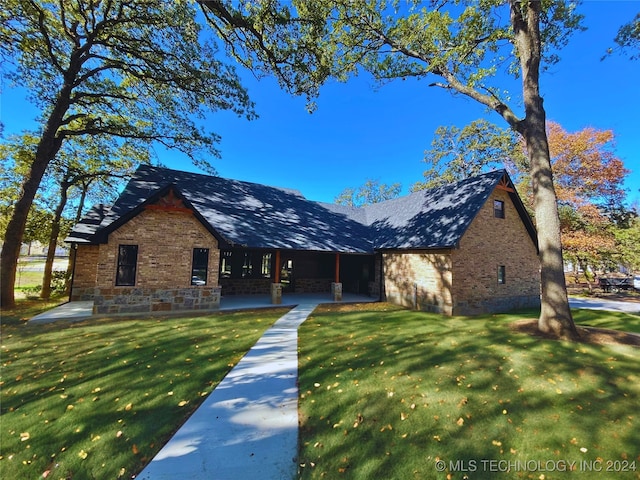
x=498 y=208
x=127 y=262
x=247 y=266
x=199 y=266
x=225 y=264
x=265 y=270
x=502 y=275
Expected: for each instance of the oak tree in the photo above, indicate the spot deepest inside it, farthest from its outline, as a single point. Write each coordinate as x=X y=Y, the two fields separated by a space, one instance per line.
x=628 y=38
x=371 y=192
x=457 y=153
x=138 y=70
x=462 y=45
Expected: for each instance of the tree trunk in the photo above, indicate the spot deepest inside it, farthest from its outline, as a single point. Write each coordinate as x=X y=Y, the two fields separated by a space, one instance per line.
x=72 y=253
x=48 y=148
x=15 y=232
x=53 y=242
x=555 y=314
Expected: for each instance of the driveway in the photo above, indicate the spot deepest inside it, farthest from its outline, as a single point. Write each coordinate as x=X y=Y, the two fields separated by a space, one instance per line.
x=603 y=304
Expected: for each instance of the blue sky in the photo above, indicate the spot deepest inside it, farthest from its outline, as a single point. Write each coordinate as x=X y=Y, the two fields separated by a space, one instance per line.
x=361 y=131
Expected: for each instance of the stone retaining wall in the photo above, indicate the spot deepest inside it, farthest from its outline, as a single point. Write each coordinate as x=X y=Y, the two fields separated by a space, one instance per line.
x=146 y=300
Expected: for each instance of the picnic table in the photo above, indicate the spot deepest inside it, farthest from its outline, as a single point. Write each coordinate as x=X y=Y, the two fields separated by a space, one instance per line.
x=615 y=284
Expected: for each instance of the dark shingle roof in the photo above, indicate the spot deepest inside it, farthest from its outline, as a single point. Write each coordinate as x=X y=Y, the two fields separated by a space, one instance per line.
x=435 y=218
x=258 y=216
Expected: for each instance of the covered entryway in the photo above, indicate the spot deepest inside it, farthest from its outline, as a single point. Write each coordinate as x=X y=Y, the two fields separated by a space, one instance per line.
x=251 y=272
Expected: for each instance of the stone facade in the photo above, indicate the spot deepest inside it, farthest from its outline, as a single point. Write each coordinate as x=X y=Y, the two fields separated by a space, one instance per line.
x=464 y=280
x=118 y=300
x=165 y=239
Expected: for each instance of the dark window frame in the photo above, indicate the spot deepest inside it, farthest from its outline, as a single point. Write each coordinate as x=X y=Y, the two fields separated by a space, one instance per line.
x=127 y=267
x=265 y=267
x=502 y=274
x=498 y=209
x=247 y=265
x=200 y=266
x=226 y=269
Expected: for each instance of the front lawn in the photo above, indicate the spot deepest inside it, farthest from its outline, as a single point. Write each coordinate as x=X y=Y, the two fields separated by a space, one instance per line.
x=397 y=394
x=98 y=399
x=610 y=320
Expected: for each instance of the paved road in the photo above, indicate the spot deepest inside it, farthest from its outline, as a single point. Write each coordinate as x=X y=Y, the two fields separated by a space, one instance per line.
x=603 y=304
x=58 y=265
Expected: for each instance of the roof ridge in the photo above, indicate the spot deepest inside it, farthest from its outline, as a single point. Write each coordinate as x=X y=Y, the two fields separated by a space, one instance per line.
x=293 y=191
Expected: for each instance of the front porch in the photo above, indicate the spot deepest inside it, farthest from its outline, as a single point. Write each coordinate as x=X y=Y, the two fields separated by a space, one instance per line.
x=82 y=310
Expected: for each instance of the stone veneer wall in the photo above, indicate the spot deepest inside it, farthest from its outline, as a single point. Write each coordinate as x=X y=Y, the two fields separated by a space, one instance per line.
x=143 y=300
x=418 y=279
x=489 y=243
x=165 y=239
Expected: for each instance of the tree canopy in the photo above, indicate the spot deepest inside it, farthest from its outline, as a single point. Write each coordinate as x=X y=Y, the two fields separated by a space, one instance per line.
x=138 y=70
x=371 y=192
x=457 y=153
x=461 y=45
x=628 y=38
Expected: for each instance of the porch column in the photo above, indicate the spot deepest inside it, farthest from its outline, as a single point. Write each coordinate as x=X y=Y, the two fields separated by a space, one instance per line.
x=276 y=286
x=336 y=286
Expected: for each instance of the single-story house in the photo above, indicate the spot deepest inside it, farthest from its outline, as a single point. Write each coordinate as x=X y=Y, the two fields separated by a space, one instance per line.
x=176 y=240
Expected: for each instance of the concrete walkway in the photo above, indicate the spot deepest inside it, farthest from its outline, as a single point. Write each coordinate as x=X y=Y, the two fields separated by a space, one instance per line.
x=78 y=311
x=248 y=426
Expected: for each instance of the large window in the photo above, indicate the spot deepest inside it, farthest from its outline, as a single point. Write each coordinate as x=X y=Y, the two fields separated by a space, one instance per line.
x=225 y=264
x=247 y=265
x=265 y=269
x=127 y=263
x=199 y=266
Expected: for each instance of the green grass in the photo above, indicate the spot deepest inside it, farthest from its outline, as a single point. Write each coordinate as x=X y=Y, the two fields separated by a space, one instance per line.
x=28 y=308
x=610 y=320
x=387 y=393
x=98 y=399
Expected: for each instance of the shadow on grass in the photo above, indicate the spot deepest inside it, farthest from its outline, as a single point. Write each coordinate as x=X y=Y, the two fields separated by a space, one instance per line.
x=98 y=399
x=387 y=394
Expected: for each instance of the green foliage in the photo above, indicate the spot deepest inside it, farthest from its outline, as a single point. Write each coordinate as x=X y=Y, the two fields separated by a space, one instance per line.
x=456 y=153
x=371 y=192
x=98 y=399
x=628 y=38
x=305 y=43
x=386 y=393
x=628 y=244
x=462 y=43
x=141 y=70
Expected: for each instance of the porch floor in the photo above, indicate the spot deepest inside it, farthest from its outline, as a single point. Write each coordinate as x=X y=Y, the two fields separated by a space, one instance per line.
x=76 y=311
